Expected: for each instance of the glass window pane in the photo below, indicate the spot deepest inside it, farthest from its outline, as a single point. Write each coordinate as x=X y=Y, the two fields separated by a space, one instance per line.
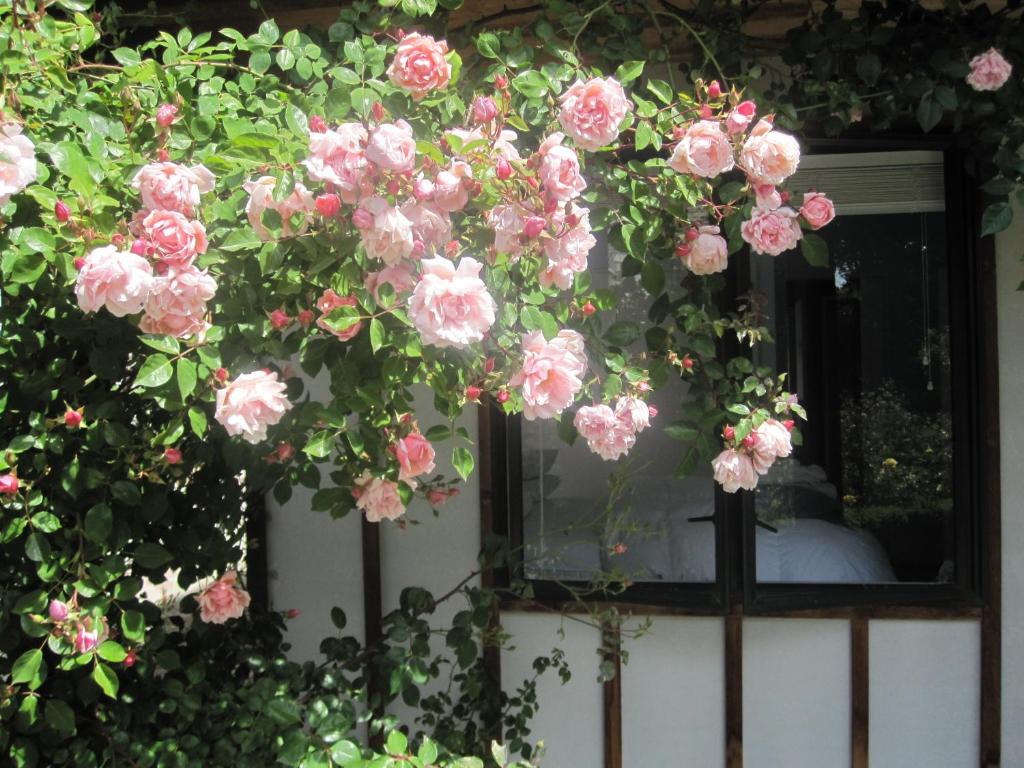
x=868 y=497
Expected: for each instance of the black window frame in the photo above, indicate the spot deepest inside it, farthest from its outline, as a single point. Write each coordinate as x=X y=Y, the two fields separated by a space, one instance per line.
x=735 y=587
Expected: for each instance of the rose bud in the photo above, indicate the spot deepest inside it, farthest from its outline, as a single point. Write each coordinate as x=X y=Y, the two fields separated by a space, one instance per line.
x=688 y=363
x=501 y=82
x=534 y=226
x=58 y=610
x=279 y=319
x=452 y=247
x=423 y=189
x=139 y=247
x=165 y=114
x=172 y=455
x=163 y=155
x=692 y=234
x=129 y=659
x=392 y=187
x=484 y=109
x=328 y=205
x=317 y=124
x=72 y=419
x=705 y=112
x=8 y=484
x=61 y=211
x=378 y=111
x=362 y=218
x=503 y=396
x=619 y=549
x=503 y=170
x=285 y=451
x=652 y=411
x=221 y=375
x=714 y=90
x=86 y=639
x=117 y=239
x=489 y=365
x=747 y=108
x=305 y=317
x=728 y=433
x=79 y=262
x=789 y=424
x=643 y=386
x=588 y=309
x=683 y=250
x=748 y=441
x=292 y=613
x=473 y=392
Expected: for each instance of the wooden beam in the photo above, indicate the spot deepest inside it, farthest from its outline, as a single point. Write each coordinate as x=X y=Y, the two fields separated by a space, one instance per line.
x=859 y=669
x=734 y=690
x=373 y=610
x=613 y=704
x=489 y=486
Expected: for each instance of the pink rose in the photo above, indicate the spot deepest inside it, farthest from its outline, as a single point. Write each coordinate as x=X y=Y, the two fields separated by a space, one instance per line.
x=703 y=151
x=261 y=198
x=431 y=227
x=250 y=404
x=989 y=71
x=450 y=306
x=708 y=254
x=507 y=221
x=771 y=441
x=389 y=238
x=559 y=169
x=817 y=210
x=330 y=301
x=176 y=305
x=567 y=250
x=86 y=639
x=338 y=157
x=450 y=192
x=117 y=280
x=415 y=456
x=379 y=498
x=740 y=118
x=176 y=238
x=439 y=496
x=172 y=187
x=392 y=147
x=606 y=435
x=633 y=413
x=222 y=600
x=420 y=66
x=8 y=484
x=734 y=470
x=769 y=156
x=772 y=232
x=400 y=277
x=17 y=161
x=551 y=374
x=165 y=114
x=484 y=110
x=767 y=196
x=591 y=112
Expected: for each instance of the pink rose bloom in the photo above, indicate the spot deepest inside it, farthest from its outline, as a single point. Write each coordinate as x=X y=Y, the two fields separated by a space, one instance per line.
x=771 y=441
x=261 y=198
x=379 y=498
x=330 y=301
x=559 y=169
x=86 y=639
x=592 y=421
x=415 y=456
x=431 y=227
x=439 y=496
x=176 y=305
x=769 y=156
x=420 y=66
x=389 y=237
x=767 y=196
x=817 y=209
x=507 y=221
x=338 y=157
x=450 y=193
x=8 y=484
x=172 y=187
x=703 y=151
x=176 y=238
x=772 y=232
x=450 y=306
x=552 y=373
x=734 y=470
x=567 y=250
x=591 y=112
x=250 y=404
x=117 y=280
x=17 y=161
x=633 y=413
x=709 y=253
x=606 y=435
x=392 y=147
x=740 y=118
x=400 y=277
x=222 y=600
x=989 y=71
x=504 y=146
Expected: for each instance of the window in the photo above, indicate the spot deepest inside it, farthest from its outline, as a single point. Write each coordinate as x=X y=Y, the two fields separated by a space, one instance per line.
x=879 y=503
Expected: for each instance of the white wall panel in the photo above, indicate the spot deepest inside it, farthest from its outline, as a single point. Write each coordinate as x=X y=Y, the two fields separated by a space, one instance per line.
x=673 y=702
x=796 y=693
x=924 y=695
x=570 y=717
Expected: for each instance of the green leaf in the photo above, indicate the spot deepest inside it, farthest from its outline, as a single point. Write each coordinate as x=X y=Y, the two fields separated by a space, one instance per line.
x=869 y=68
x=269 y=32
x=815 y=250
x=29 y=669
x=133 y=625
x=397 y=743
x=996 y=218
x=167 y=344
x=60 y=716
x=622 y=333
x=345 y=753
x=929 y=113
x=151 y=555
x=285 y=59
x=156 y=370
x=376 y=334
x=681 y=432
x=531 y=83
x=629 y=71
x=126 y=56
x=112 y=652
x=438 y=432
x=462 y=461
x=37 y=548
x=428 y=752
x=488 y=45
x=652 y=277
x=99 y=521
x=197 y=420
x=662 y=90
x=106 y=679
x=187 y=377
x=320 y=444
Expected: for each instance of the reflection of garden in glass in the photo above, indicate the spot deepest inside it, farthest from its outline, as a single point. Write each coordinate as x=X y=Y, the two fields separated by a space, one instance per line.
x=869 y=495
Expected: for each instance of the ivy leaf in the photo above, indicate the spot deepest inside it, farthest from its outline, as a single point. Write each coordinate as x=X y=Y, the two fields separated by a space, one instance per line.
x=156 y=370
x=462 y=461
x=106 y=679
x=815 y=250
x=996 y=218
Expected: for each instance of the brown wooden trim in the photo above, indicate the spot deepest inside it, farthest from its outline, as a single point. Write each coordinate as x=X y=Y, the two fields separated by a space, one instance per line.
x=734 y=690
x=373 y=609
x=859 y=667
x=491 y=650
x=612 y=719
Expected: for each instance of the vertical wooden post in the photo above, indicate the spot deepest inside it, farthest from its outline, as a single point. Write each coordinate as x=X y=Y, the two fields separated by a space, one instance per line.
x=734 y=690
x=859 y=668
x=613 y=703
x=372 y=613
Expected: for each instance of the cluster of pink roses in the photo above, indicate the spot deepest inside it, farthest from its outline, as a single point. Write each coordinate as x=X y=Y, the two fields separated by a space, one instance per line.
x=612 y=433
x=157 y=275
x=17 y=161
x=739 y=465
x=83 y=632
